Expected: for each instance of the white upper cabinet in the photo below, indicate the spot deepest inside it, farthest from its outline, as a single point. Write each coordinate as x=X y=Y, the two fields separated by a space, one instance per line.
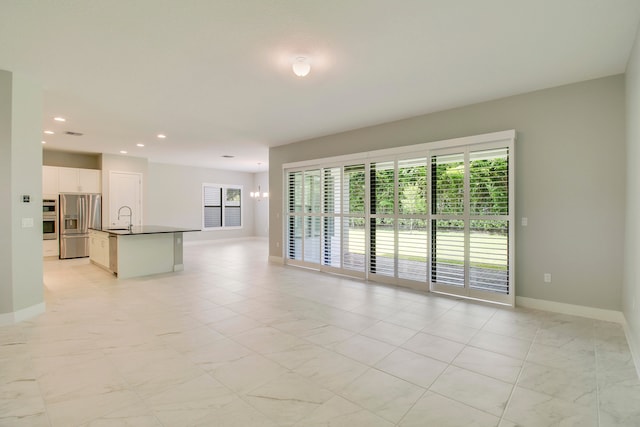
x=72 y=180
x=50 y=180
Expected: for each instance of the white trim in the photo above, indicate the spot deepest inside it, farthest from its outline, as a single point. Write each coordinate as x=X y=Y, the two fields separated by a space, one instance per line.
x=571 y=309
x=634 y=346
x=365 y=156
x=22 y=314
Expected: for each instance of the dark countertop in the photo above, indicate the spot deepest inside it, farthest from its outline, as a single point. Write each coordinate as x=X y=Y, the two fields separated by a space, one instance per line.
x=143 y=229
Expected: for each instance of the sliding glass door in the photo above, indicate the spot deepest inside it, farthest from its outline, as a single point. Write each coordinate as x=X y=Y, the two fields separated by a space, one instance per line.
x=437 y=220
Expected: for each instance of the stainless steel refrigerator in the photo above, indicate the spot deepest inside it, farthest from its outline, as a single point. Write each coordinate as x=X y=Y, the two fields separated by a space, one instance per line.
x=78 y=213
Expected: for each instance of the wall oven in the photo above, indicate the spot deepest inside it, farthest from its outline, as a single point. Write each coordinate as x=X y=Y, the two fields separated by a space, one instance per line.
x=49 y=219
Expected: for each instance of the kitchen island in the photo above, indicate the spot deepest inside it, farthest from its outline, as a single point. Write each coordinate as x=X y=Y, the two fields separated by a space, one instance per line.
x=139 y=251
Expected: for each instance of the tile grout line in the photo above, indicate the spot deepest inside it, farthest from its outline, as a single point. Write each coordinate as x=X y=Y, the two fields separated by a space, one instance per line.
x=515 y=384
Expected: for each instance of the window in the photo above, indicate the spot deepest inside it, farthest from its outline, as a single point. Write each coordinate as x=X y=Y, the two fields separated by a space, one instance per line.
x=438 y=216
x=222 y=206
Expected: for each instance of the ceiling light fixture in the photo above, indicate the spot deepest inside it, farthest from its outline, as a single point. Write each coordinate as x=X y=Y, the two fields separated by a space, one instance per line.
x=301 y=66
x=123 y=152
x=258 y=195
x=48 y=132
x=44 y=142
x=59 y=119
x=162 y=136
x=139 y=145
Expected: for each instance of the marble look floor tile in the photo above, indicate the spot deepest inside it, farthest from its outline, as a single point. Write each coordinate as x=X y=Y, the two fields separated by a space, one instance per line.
x=562 y=358
x=152 y=372
x=331 y=370
x=384 y=395
x=413 y=320
x=91 y=377
x=190 y=340
x=389 y=333
x=327 y=335
x=83 y=409
x=364 y=350
x=339 y=412
x=288 y=398
x=478 y=391
x=412 y=367
x=502 y=344
x=245 y=374
x=451 y=331
x=216 y=354
x=435 y=410
x=267 y=340
x=296 y=356
x=620 y=401
x=531 y=408
x=435 y=347
x=235 y=325
x=133 y=415
x=20 y=399
x=107 y=350
x=188 y=402
x=573 y=385
x=488 y=363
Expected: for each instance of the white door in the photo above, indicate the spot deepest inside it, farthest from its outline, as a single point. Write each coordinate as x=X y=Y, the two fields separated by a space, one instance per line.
x=125 y=191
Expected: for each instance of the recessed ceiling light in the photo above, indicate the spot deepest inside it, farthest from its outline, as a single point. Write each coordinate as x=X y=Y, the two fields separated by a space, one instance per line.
x=139 y=145
x=123 y=152
x=59 y=119
x=44 y=142
x=162 y=136
x=48 y=132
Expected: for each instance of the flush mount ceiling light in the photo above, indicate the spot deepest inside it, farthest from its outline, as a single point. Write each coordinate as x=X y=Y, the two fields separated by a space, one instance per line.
x=301 y=66
x=59 y=119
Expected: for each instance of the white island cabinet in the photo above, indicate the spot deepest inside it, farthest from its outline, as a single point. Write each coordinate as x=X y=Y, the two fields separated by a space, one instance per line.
x=141 y=251
x=99 y=248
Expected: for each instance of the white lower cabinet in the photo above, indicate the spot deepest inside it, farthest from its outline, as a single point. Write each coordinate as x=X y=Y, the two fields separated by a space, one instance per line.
x=99 y=248
x=50 y=248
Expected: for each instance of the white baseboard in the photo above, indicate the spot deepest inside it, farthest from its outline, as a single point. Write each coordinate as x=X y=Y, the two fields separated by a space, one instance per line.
x=276 y=260
x=634 y=346
x=23 y=314
x=574 y=310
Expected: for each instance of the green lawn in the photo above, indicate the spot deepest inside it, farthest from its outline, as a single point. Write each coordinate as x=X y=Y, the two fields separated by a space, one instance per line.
x=487 y=250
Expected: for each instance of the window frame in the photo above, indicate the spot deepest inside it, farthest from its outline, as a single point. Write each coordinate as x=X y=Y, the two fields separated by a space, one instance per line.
x=504 y=139
x=223 y=206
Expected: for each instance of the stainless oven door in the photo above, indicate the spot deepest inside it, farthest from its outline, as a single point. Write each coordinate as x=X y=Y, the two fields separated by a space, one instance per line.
x=49 y=228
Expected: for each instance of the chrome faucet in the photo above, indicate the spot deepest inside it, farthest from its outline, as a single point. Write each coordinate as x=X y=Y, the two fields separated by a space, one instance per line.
x=130 y=215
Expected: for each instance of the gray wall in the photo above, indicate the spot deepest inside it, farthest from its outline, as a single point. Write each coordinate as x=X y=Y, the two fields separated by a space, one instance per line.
x=570 y=181
x=174 y=197
x=70 y=160
x=631 y=289
x=20 y=173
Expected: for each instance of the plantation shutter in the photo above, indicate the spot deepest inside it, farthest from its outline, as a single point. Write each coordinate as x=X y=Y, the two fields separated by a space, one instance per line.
x=412 y=219
x=331 y=220
x=353 y=219
x=212 y=206
x=382 y=219
x=294 y=218
x=448 y=225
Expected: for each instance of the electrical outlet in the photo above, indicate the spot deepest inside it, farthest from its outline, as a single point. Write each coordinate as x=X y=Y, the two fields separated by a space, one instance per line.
x=525 y=221
x=277 y=244
x=547 y=277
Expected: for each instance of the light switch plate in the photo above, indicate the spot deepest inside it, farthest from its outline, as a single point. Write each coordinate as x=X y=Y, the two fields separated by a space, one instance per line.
x=27 y=222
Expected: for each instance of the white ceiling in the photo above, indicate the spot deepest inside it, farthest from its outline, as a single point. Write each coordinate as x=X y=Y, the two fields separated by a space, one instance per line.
x=215 y=75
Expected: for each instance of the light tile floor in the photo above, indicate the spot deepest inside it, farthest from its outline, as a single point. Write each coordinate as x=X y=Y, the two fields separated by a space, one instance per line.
x=235 y=341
